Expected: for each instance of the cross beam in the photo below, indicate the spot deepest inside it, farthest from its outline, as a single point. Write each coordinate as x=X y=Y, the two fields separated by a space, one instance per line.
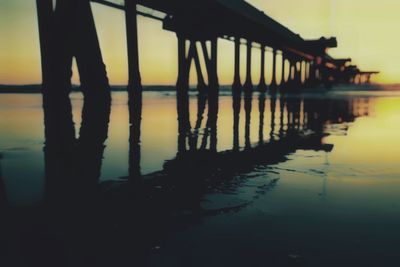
x=122 y=7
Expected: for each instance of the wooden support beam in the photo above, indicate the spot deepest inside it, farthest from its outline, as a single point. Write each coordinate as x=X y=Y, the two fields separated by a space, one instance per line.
x=236 y=96
x=123 y=8
x=289 y=82
x=183 y=80
x=189 y=58
x=296 y=75
x=45 y=22
x=200 y=78
x=237 y=84
x=262 y=87
x=301 y=73
x=214 y=62
x=248 y=84
x=109 y=4
x=134 y=89
x=69 y=32
x=273 y=85
x=207 y=60
x=132 y=45
x=213 y=95
x=182 y=93
x=283 y=82
x=307 y=72
x=56 y=74
x=92 y=71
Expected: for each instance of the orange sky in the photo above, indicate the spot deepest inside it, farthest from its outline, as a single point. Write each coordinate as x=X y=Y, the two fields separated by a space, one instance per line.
x=366 y=31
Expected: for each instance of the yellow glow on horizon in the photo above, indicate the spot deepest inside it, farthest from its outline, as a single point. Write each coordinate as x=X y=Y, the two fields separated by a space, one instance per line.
x=366 y=31
x=362 y=137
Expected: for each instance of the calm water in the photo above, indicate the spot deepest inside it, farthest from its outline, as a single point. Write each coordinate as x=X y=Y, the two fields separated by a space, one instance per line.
x=308 y=180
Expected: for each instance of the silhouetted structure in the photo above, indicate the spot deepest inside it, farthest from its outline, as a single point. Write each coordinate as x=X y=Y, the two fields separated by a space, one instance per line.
x=366 y=76
x=195 y=23
x=85 y=222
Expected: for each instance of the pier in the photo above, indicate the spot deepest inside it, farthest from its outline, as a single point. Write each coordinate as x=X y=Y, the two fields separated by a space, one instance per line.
x=297 y=166
x=198 y=26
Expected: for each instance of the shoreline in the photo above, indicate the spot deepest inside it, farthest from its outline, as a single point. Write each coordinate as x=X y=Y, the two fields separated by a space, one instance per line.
x=36 y=88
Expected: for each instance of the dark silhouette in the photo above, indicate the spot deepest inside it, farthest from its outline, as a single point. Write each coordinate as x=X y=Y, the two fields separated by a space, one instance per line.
x=248 y=98
x=200 y=23
x=61 y=40
x=236 y=96
x=85 y=222
x=81 y=215
x=273 y=100
x=261 y=108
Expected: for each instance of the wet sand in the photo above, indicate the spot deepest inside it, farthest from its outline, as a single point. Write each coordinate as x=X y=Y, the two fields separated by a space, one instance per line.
x=314 y=181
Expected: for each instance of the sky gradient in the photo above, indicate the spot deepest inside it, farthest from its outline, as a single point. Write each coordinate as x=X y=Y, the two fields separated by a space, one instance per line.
x=366 y=31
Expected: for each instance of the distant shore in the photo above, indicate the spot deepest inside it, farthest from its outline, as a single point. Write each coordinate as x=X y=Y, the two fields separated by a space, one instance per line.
x=36 y=88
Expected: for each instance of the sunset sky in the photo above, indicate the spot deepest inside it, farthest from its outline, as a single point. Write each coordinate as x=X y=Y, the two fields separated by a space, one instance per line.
x=366 y=31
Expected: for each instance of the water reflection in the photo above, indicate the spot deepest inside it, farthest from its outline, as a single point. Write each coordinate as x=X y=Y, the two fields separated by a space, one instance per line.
x=236 y=105
x=248 y=97
x=135 y=118
x=81 y=216
x=72 y=166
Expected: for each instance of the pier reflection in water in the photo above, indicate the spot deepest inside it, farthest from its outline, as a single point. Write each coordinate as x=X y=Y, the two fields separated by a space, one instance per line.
x=124 y=222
